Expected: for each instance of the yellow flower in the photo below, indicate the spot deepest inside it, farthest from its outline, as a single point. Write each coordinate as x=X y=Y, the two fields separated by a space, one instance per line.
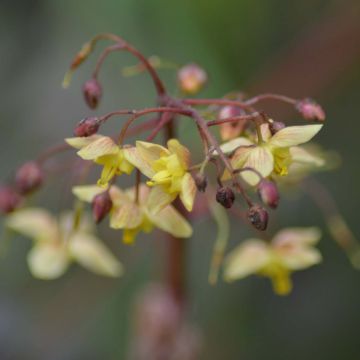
x=133 y=217
x=57 y=244
x=271 y=155
x=167 y=169
x=103 y=151
x=291 y=249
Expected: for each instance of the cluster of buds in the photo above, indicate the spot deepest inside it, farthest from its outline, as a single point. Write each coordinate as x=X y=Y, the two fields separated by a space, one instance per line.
x=310 y=110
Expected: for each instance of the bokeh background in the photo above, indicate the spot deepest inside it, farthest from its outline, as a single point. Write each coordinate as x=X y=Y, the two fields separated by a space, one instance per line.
x=299 y=48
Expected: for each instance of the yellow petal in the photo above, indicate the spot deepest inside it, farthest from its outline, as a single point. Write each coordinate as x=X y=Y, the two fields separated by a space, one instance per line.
x=294 y=135
x=87 y=192
x=301 y=257
x=281 y=281
x=234 y=144
x=188 y=191
x=36 y=223
x=181 y=151
x=91 y=253
x=302 y=236
x=303 y=156
x=128 y=215
x=100 y=147
x=134 y=157
x=48 y=261
x=80 y=142
x=118 y=196
x=248 y=258
x=158 y=199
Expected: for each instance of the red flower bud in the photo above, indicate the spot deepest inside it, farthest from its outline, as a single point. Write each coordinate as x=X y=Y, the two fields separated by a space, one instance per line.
x=101 y=206
x=231 y=130
x=87 y=127
x=201 y=182
x=310 y=110
x=225 y=196
x=276 y=126
x=92 y=93
x=191 y=78
x=268 y=193
x=258 y=217
x=9 y=200
x=29 y=177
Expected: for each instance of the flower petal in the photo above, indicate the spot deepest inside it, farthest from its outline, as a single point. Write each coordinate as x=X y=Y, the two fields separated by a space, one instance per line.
x=300 y=257
x=102 y=146
x=248 y=258
x=188 y=191
x=48 y=261
x=232 y=145
x=302 y=155
x=87 y=192
x=128 y=215
x=158 y=199
x=181 y=151
x=91 y=253
x=80 y=142
x=294 y=135
x=301 y=236
x=134 y=157
x=151 y=152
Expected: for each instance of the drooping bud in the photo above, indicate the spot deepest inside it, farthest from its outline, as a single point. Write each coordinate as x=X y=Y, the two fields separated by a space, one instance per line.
x=258 y=217
x=101 y=206
x=231 y=130
x=310 y=110
x=9 y=199
x=29 y=177
x=201 y=182
x=92 y=91
x=191 y=78
x=225 y=196
x=268 y=193
x=276 y=126
x=87 y=127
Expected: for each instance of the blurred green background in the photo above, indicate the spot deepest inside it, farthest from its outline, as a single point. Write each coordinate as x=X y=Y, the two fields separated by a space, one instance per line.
x=299 y=48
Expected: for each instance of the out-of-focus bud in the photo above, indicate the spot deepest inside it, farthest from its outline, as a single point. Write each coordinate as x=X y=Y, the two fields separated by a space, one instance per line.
x=82 y=55
x=191 y=78
x=268 y=193
x=29 y=177
x=231 y=130
x=9 y=199
x=201 y=182
x=92 y=93
x=101 y=206
x=225 y=196
x=275 y=126
x=310 y=110
x=87 y=127
x=258 y=217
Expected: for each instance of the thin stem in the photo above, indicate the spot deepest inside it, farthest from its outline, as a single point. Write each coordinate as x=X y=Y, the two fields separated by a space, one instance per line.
x=54 y=150
x=164 y=120
x=269 y=96
x=103 y=56
x=222 y=102
x=233 y=119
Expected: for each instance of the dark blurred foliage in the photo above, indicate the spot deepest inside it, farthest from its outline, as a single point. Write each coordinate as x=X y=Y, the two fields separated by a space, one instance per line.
x=301 y=48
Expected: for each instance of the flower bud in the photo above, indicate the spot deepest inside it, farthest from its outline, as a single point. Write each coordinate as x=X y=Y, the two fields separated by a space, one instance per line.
x=9 y=200
x=29 y=177
x=276 y=126
x=201 y=182
x=87 y=127
x=231 y=130
x=268 y=193
x=101 y=206
x=191 y=78
x=310 y=110
x=225 y=196
x=92 y=93
x=258 y=217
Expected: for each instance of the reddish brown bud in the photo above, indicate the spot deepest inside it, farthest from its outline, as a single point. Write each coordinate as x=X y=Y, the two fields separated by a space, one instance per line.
x=9 y=200
x=233 y=129
x=191 y=78
x=258 y=217
x=268 y=193
x=101 y=206
x=276 y=126
x=225 y=196
x=201 y=182
x=310 y=110
x=87 y=127
x=29 y=177
x=92 y=93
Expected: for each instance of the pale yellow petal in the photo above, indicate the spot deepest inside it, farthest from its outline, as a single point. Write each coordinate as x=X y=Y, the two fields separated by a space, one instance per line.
x=134 y=157
x=128 y=215
x=188 y=191
x=48 y=261
x=248 y=258
x=118 y=196
x=91 y=253
x=265 y=132
x=300 y=257
x=304 y=156
x=80 y=142
x=87 y=192
x=143 y=193
x=294 y=135
x=151 y=152
x=297 y=235
x=181 y=151
x=158 y=199
x=100 y=147
x=234 y=144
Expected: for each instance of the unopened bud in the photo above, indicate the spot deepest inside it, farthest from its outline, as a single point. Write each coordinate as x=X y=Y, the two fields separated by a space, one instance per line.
x=9 y=200
x=81 y=56
x=225 y=196
x=276 y=126
x=191 y=78
x=87 y=127
x=231 y=130
x=258 y=217
x=101 y=206
x=29 y=177
x=201 y=182
x=268 y=193
x=92 y=93
x=310 y=110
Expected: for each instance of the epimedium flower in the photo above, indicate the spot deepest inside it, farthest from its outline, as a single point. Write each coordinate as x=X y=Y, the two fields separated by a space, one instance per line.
x=168 y=170
x=59 y=242
x=133 y=215
x=103 y=151
x=291 y=249
x=270 y=154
